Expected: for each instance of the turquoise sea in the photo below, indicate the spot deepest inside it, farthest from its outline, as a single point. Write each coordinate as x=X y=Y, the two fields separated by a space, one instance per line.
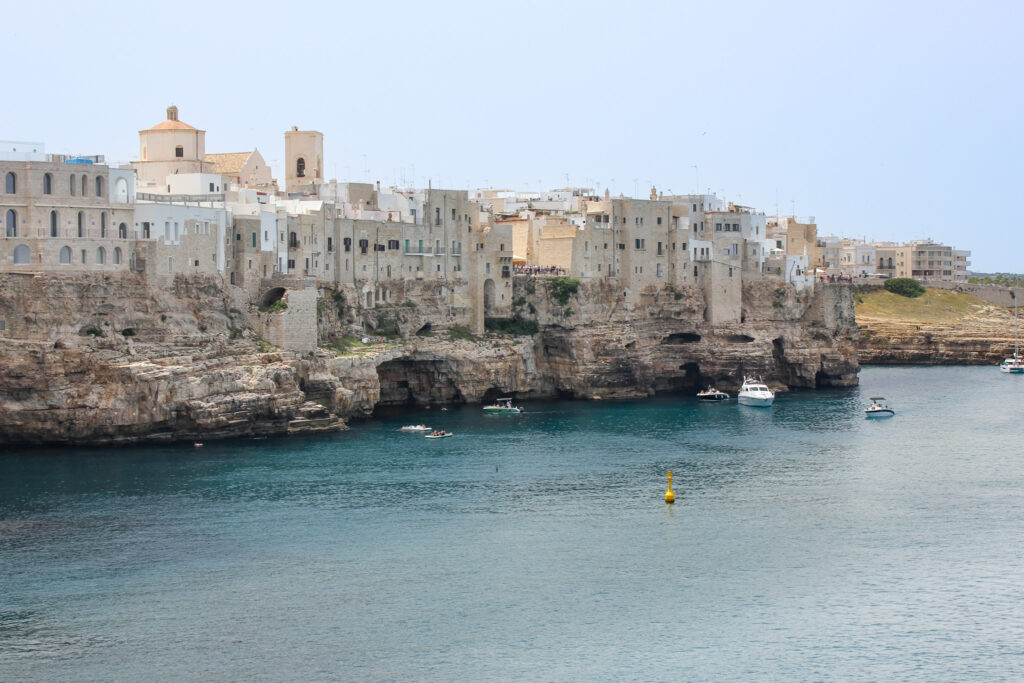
x=806 y=543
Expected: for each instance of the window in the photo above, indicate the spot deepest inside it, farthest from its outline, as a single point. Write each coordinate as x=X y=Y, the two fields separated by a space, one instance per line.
x=330 y=244
x=407 y=246
x=71 y=185
x=300 y=168
x=179 y=152
x=145 y=230
x=99 y=186
x=81 y=224
x=101 y=256
x=47 y=183
x=65 y=255
x=22 y=255
x=487 y=268
x=117 y=256
x=103 y=225
x=83 y=257
x=659 y=220
x=437 y=216
x=53 y=231
x=11 y=223
x=211 y=187
x=85 y=186
x=254 y=240
x=348 y=243
x=659 y=249
x=10 y=183
x=453 y=214
x=363 y=246
x=718 y=227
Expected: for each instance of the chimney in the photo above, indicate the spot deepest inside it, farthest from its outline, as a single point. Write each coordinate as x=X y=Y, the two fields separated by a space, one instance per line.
x=172 y=113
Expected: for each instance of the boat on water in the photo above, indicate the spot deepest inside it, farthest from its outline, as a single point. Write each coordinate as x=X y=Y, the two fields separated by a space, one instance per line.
x=878 y=408
x=1014 y=364
x=414 y=428
x=502 y=406
x=438 y=435
x=754 y=392
x=712 y=394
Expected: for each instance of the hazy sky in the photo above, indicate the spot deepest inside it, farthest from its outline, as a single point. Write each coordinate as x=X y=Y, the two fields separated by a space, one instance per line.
x=883 y=120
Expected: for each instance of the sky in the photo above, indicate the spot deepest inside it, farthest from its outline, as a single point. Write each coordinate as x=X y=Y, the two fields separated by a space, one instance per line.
x=883 y=120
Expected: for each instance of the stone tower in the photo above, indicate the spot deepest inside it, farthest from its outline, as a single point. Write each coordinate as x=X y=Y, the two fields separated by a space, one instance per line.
x=304 y=160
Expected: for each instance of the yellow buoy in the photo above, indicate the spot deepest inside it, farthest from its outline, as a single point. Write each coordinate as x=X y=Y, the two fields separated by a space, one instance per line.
x=669 y=496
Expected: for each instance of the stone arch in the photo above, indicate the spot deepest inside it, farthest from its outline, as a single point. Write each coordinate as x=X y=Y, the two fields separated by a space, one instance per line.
x=272 y=296
x=65 y=255
x=101 y=256
x=11 y=223
x=490 y=289
x=22 y=255
x=117 y=256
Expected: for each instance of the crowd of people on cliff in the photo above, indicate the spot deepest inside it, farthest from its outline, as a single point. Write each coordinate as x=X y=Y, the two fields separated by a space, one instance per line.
x=539 y=270
x=836 y=278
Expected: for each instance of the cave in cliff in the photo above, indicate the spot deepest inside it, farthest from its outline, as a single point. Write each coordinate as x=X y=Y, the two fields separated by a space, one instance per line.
x=414 y=381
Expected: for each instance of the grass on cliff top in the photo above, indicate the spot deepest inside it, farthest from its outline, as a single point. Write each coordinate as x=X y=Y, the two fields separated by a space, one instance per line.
x=935 y=306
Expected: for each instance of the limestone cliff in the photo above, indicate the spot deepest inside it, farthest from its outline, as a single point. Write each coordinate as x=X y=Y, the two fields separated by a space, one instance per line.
x=95 y=358
x=940 y=328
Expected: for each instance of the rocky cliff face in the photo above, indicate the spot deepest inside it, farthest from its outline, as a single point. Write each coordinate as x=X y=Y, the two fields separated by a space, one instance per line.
x=106 y=359
x=940 y=328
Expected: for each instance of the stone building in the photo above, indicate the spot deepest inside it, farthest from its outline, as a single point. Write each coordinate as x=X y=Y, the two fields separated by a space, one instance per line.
x=62 y=213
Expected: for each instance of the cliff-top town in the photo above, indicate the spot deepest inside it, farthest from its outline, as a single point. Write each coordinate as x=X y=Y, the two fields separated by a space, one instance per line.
x=179 y=210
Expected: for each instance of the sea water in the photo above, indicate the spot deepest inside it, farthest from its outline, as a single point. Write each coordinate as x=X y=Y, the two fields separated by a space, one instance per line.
x=806 y=543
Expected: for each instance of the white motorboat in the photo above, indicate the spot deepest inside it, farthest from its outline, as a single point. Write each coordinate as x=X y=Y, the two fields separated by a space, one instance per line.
x=440 y=435
x=1014 y=364
x=878 y=408
x=414 y=428
x=502 y=406
x=754 y=392
x=712 y=394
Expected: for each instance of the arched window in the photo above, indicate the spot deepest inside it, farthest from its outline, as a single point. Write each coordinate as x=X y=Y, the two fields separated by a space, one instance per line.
x=300 y=168
x=121 y=191
x=10 y=183
x=81 y=224
x=179 y=151
x=122 y=231
x=103 y=223
x=47 y=183
x=71 y=185
x=99 y=186
x=53 y=227
x=22 y=255
x=85 y=186
x=65 y=255
x=117 y=256
x=11 y=223
x=101 y=255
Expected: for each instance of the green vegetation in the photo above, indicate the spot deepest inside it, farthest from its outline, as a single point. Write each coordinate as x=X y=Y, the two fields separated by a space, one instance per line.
x=235 y=332
x=409 y=303
x=276 y=307
x=934 y=306
x=515 y=327
x=568 y=313
x=1004 y=279
x=904 y=286
x=678 y=295
x=265 y=346
x=460 y=332
x=128 y=332
x=562 y=288
x=342 y=345
x=94 y=331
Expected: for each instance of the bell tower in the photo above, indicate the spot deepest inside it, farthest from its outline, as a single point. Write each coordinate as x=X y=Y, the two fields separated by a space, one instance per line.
x=304 y=159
